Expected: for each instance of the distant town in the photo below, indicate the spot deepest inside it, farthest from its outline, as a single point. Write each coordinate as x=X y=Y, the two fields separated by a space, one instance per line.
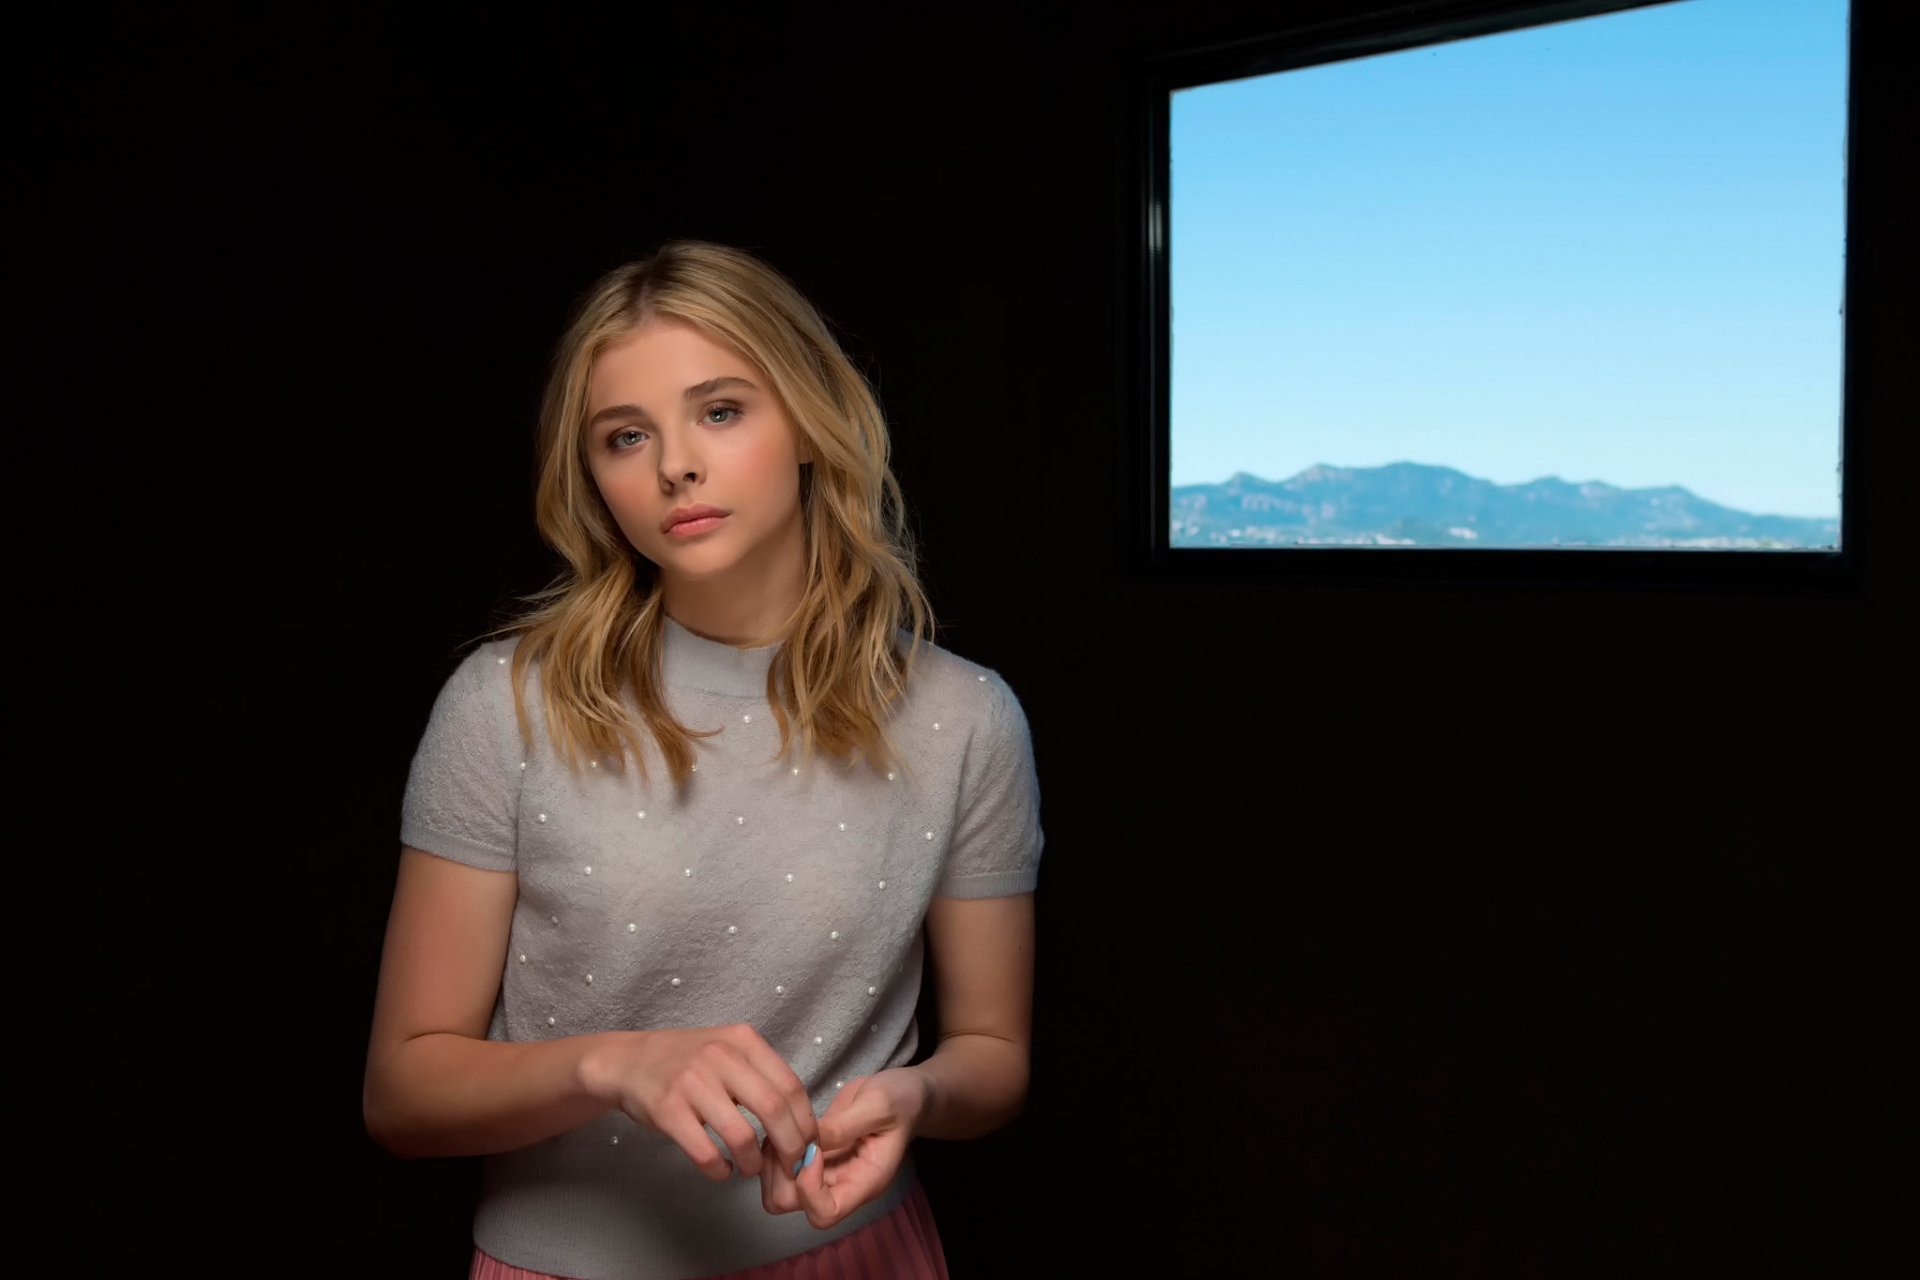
x=1408 y=504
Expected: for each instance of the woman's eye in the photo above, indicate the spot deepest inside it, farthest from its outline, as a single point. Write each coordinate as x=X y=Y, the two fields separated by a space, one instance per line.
x=614 y=439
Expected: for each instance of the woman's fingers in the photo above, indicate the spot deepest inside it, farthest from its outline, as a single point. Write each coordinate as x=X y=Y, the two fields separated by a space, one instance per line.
x=778 y=1097
x=777 y=1192
x=683 y=1126
x=835 y=1183
x=819 y=1200
x=714 y=1105
x=770 y=1109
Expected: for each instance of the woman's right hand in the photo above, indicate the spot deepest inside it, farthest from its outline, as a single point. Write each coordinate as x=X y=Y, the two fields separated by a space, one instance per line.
x=676 y=1079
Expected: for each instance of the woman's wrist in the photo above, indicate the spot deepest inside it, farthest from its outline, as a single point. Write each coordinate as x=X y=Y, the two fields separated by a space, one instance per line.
x=971 y=1086
x=917 y=1100
x=598 y=1051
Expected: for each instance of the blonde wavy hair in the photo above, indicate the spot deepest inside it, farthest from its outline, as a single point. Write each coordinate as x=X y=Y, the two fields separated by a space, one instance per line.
x=597 y=630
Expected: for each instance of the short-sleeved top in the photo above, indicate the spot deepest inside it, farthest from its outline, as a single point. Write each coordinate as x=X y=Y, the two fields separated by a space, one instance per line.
x=784 y=894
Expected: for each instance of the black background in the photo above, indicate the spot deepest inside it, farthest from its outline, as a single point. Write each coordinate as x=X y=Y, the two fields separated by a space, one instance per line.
x=1382 y=930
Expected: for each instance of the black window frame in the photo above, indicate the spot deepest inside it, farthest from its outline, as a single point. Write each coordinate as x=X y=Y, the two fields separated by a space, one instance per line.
x=1144 y=343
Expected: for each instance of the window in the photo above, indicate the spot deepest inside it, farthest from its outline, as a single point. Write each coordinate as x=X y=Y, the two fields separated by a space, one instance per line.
x=1498 y=291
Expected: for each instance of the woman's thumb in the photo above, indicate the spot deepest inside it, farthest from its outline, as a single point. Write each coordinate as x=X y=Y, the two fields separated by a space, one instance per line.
x=842 y=1121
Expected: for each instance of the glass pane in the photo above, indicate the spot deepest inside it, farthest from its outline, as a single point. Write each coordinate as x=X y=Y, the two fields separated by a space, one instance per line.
x=1578 y=285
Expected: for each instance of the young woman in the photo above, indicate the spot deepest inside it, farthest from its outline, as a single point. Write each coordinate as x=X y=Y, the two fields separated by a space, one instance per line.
x=672 y=840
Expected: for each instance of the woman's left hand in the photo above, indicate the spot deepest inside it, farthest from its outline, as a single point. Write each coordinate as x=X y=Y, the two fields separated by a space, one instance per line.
x=864 y=1134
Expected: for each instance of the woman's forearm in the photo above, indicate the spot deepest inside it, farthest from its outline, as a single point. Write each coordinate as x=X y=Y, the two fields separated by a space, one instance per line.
x=450 y=1095
x=975 y=1084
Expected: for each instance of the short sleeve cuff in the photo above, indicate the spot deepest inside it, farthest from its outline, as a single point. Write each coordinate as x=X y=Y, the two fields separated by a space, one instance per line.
x=993 y=884
x=456 y=848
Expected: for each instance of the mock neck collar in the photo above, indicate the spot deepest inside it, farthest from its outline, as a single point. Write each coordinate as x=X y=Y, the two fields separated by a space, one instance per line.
x=693 y=660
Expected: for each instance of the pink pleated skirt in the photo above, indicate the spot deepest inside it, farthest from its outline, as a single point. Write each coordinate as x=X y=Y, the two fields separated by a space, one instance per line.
x=903 y=1245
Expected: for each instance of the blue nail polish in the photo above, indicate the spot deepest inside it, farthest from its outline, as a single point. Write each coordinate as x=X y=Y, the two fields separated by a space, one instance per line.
x=813 y=1149
x=804 y=1160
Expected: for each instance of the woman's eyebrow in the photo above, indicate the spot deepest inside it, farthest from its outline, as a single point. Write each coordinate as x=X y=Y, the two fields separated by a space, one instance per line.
x=693 y=392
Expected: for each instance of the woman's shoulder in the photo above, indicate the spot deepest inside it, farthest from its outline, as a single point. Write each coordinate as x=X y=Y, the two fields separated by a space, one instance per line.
x=947 y=677
x=494 y=656
x=484 y=675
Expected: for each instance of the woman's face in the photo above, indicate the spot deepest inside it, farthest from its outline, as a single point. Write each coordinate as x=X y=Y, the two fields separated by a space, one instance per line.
x=661 y=435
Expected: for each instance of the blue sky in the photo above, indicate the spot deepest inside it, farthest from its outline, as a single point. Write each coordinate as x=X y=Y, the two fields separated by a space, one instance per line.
x=1607 y=249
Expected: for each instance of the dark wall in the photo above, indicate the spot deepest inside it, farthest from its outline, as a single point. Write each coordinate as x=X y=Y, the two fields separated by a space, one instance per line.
x=1413 y=931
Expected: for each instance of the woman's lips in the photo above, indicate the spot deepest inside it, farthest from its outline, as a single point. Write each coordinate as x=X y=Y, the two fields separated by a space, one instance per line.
x=694 y=528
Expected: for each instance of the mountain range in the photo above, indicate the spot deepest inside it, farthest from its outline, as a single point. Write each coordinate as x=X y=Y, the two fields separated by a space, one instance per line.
x=1412 y=504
